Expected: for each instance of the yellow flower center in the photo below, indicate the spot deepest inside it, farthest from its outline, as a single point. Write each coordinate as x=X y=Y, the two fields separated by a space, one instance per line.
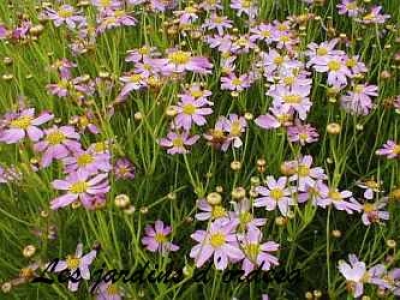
x=303 y=136
x=236 y=81
x=282 y=27
x=322 y=51
x=217 y=240
x=276 y=194
x=369 y=17
x=218 y=20
x=245 y=217
x=396 y=150
x=72 y=262
x=351 y=5
x=23 y=122
x=100 y=147
x=235 y=128
x=190 y=9
x=105 y=3
x=218 y=211
x=160 y=238
x=303 y=170
x=55 y=137
x=27 y=273
x=246 y=3
x=288 y=80
x=197 y=93
x=78 y=187
x=252 y=251
x=178 y=142
x=335 y=195
x=359 y=88
x=334 y=65
x=112 y=289
x=84 y=160
x=64 y=13
x=278 y=60
x=189 y=109
x=266 y=33
x=292 y=99
x=135 y=78
x=83 y=121
x=179 y=57
x=284 y=38
x=369 y=207
x=351 y=63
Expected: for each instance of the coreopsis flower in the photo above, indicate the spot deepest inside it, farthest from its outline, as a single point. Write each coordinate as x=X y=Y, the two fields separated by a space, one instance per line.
x=390 y=150
x=219 y=240
x=233 y=83
x=107 y=4
x=109 y=19
x=189 y=111
x=356 y=66
x=150 y=66
x=79 y=186
x=209 y=211
x=24 y=124
x=257 y=254
x=267 y=121
x=57 y=144
x=341 y=200
x=88 y=161
x=78 y=265
x=66 y=14
x=197 y=92
x=108 y=291
x=388 y=280
x=181 y=61
x=373 y=213
x=219 y=23
x=223 y=43
x=304 y=175
x=216 y=136
x=263 y=32
x=156 y=238
x=292 y=99
x=336 y=68
x=302 y=134
x=124 y=169
x=137 y=55
x=275 y=194
x=349 y=7
x=242 y=45
x=316 y=193
x=210 y=5
x=247 y=7
x=273 y=61
x=60 y=89
x=370 y=187
x=375 y=16
x=235 y=126
x=188 y=15
x=64 y=67
x=320 y=53
x=355 y=274
x=133 y=82
x=243 y=214
x=358 y=101
x=177 y=143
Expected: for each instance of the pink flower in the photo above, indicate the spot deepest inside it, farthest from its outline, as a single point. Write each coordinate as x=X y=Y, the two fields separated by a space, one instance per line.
x=355 y=275
x=336 y=68
x=220 y=23
x=133 y=82
x=77 y=264
x=192 y=111
x=243 y=214
x=57 y=144
x=181 y=61
x=375 y=16
x=302 y=134
x=390 y=149
x=209 y=211
x=358 y=101
x=124 y=169
x=114 y=18
x=341 y=201
x=276 y=194
x=156 y=239
x=234 y=83
x=304 y=175
x=267 y=121
x=373 y=213
x=79 y=187
x=108 y=291
x=349 y=7
x=235 y=126
x=88 y=161
x=247 y=7
x=263 y=32
x=25 y=123
x=66 y=14
x=221 y=241
x=176 y=142
x=257 y=254
x=321 y=53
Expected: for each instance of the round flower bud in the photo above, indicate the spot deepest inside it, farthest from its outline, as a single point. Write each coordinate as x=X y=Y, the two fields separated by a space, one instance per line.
x=122 y=200
x=171 y=111
x=309 y=296
x=317 y=294
x=253 y=193
x=130 y=210
x=76 y=205
x=395 y=194
x=8 y=77
x=238 y=193
x=261 y=170
x=44 y=214
x=6 y=287
x=236 y=165
x=138 y=116
x=261 y=162
x=280 y=221
x=36 y=30
x=171 y=196
x=386 y=75
x=287 y=169
x=7 y=61
x=255 y=181
x=29 y=251
x=214 y=198
x=248 y=116
x=334 y=128
x=144 y=210
x=219 y=189
x=391 y=244
x=336 y=233
x=366 y=298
